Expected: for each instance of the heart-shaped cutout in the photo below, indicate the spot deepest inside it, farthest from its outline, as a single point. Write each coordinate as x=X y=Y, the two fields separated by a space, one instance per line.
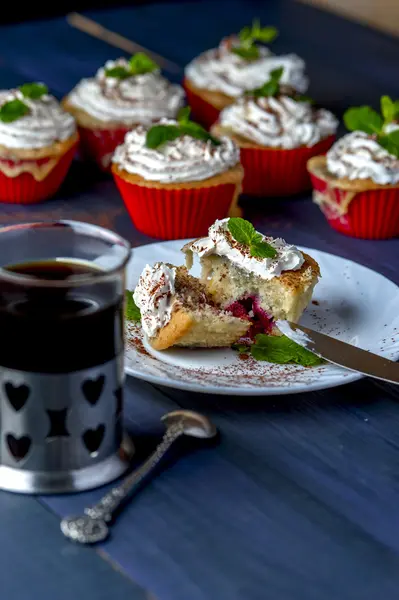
x=92 y=438
x=92 y=389
x=19 y=447
x=17 y=394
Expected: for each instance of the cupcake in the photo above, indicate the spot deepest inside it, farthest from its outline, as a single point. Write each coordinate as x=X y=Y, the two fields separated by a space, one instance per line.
x=356 y=184
x=176 y=179
x=219 y=76
x=277 y=132
x=38 y=140
x=123 y=94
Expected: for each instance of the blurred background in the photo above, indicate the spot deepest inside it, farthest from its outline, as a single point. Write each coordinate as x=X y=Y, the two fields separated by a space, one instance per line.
x=380 y=14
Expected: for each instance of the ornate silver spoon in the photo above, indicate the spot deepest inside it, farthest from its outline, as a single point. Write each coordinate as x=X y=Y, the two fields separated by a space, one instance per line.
x=92 y=527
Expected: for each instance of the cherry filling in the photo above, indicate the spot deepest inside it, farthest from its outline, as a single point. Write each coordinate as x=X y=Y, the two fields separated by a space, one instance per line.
x=249 y=308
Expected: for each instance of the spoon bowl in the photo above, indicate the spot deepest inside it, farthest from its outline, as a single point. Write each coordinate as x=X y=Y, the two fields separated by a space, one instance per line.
x=194 y=424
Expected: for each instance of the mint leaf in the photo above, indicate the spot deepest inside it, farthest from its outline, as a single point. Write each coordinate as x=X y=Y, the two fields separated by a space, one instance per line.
x=303 y=98
x=245 y=33
x=118 y=72
x=266 y=34
x=363 y=118
x=262 y=250
x=140 y=63
x=241 y=230
x=250 y=53
x=270 y=87
x=132 y=311
x=159 y=134
x=183 y=116
x=388 y=109
x=34 y=91
x=390 y=142
x=255 y=33
x=241 y=348
x=197 y=131
x=13 y=110
x=282 y=350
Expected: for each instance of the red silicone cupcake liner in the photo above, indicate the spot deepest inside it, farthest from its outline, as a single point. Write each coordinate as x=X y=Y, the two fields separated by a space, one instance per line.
x=99 y=145
x=170 y=214
x=371 y=215
x=24 y=189
x=201 y=111
x=270 y=172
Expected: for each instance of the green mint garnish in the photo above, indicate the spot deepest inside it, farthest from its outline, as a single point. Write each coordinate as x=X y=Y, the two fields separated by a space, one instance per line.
x=271 y=87
x=159 y=134
x=34 y=91
x=245 y=233
x=138 y=64
x=132 y=311
x=282 y=350
x=118 y=72
x=364 y=118
x=241 y=348
x=13 y=110
x=251 y=34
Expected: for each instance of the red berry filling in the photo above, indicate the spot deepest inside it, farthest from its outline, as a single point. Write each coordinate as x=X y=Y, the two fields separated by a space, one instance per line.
x=249 y=308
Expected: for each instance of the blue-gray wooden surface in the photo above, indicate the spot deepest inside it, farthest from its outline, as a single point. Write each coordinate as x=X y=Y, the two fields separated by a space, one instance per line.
x=300 y=500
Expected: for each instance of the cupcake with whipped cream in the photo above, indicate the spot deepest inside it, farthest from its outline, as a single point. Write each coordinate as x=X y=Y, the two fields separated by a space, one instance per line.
x=217 y=77
x=122 y=94
x=277 y=131
x=38 y=140
x=176 y=179
x=356 y=184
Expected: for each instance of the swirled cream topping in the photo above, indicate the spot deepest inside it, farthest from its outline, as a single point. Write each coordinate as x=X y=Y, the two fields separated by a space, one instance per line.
x=183 y=159
x=358 y=155
x=278 y=122
x=154 y=295
x=221 y=243
x=44 y=124
x=137 y=99
x=221 y=70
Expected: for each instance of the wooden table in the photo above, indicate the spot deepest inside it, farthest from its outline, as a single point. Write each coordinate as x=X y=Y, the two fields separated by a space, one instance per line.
x=300 y=499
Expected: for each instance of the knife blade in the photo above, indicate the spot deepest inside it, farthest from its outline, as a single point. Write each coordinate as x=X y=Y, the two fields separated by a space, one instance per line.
x=340 y=353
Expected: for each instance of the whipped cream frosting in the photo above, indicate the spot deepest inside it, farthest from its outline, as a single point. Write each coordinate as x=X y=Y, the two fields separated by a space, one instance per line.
x=358 y=156
x=221 y=70
x=221 y=243
x=45 y=124
x=183 y=159
x=137 y=99
x=278 y=122
x=154 y=295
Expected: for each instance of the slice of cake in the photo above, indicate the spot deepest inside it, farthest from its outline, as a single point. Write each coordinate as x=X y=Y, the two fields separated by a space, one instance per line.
x=254 y=276
x=176 y=310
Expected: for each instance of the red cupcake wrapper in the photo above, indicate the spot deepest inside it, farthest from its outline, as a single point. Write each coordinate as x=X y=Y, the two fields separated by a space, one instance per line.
x=99 y=145
x=24 y=189
x=272 y=172
x=170 y=214
x=201 y=111
x=370 y=214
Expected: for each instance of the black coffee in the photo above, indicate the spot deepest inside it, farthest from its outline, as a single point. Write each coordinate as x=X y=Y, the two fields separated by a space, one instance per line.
x=59 y=329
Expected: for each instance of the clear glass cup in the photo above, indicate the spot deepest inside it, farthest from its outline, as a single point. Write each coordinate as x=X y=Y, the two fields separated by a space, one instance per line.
x=61 y=355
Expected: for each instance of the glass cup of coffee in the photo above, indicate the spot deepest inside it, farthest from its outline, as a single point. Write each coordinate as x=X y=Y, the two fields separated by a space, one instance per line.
x=62 y=289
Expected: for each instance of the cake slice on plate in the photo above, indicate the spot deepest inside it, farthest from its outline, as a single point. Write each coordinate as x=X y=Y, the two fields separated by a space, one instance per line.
x=176 y=310
x=254 y=276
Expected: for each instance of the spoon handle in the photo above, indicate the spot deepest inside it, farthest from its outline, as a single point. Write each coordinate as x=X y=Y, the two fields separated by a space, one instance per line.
x=109 y=503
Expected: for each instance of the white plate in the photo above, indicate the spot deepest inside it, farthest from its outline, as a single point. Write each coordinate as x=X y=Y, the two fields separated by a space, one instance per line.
x=350 y=302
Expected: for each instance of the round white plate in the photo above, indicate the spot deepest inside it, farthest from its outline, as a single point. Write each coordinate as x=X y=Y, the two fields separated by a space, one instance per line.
x=350 y=302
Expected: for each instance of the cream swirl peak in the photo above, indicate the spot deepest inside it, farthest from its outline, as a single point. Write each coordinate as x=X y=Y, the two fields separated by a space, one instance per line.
x=141 y=98
x=358 y=155
x=154 y=296
x=221 y=70
x=182 y=159
x=221 y=242
x=43 y=123
x=278 y=122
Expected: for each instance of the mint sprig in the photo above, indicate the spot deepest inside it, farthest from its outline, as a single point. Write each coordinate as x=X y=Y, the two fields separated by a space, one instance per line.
x=138 y=64
x=248 y=37
x=159 y=134
x=132 y=311
x=273 y=87
x=34 y=91
x=281 y=350
x=244 y=232
x=13 y=110
x=365 y=118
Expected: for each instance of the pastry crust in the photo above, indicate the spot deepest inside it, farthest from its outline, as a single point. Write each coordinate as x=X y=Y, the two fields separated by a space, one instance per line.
x=84 y=119
x=217 y=99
